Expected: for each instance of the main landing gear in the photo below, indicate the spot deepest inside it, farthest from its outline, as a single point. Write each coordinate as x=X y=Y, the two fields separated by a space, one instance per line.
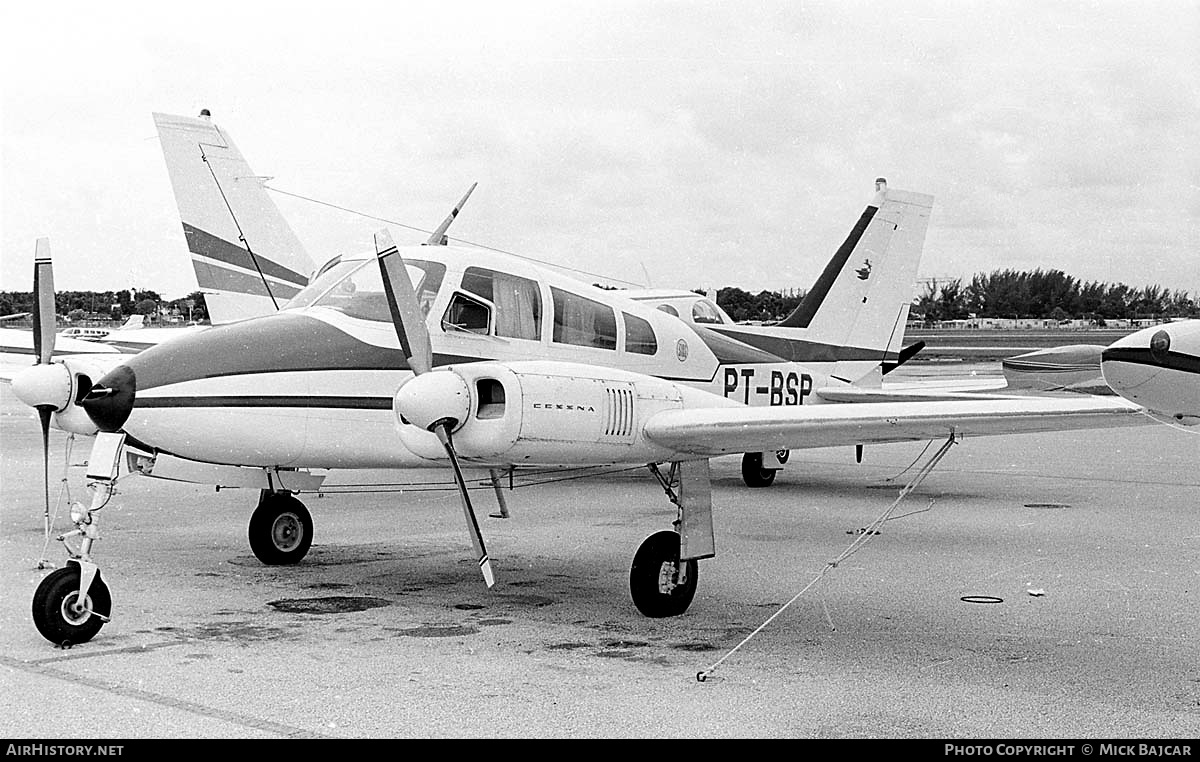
x=757 y=470
x=659 y=583
x=281 y=529
x=663 y=577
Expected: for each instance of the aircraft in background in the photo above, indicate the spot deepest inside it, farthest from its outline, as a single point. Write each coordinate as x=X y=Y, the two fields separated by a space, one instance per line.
x=440 y=356
x=688 y=306
x=1158 y=368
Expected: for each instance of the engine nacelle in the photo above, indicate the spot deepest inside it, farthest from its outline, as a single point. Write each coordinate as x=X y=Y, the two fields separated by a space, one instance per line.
x=60 y=385
x=553 y=413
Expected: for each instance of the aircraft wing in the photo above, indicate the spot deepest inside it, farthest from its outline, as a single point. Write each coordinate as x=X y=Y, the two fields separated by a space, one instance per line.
x=16 y=352
x=720 y=431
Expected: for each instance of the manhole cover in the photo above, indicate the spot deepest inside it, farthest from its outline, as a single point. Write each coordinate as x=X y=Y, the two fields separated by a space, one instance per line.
x=336 y=604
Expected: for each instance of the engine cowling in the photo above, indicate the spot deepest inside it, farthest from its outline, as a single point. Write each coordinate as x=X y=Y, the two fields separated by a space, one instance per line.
x=539 y=413
x=60 y=385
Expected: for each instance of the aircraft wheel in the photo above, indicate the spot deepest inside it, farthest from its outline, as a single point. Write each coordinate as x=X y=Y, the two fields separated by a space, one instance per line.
x=653 y=578
x=281 y=530
x=753 y=473
x=57 y=613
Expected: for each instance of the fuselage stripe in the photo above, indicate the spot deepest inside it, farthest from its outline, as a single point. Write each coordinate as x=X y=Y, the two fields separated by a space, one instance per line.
x=301 y=402
x=206 y=244
x=1137 y=356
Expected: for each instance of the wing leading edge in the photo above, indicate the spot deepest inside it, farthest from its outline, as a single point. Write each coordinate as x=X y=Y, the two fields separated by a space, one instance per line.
x=721 y=431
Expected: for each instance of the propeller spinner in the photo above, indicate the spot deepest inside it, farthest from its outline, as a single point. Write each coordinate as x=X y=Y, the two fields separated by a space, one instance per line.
x=437 y=401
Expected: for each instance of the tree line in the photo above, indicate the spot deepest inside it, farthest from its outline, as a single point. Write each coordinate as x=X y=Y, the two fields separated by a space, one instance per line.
x=1048 y=294
x=1038 y=294
x=108 y=305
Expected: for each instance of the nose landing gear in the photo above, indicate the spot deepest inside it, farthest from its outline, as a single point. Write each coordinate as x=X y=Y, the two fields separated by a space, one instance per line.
x=62 y=615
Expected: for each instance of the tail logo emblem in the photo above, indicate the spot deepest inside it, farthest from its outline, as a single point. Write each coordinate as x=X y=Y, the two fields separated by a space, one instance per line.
x=864 y=272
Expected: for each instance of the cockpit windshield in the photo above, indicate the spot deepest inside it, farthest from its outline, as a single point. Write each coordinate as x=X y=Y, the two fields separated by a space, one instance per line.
x=704 y=311
x=356 y=288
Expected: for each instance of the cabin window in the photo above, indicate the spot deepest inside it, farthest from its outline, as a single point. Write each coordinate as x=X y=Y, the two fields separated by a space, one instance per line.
x=639 y=336
x=704 y=311
x=583 y=322
x=669 y=309
x=467 y=314
x=518 y=301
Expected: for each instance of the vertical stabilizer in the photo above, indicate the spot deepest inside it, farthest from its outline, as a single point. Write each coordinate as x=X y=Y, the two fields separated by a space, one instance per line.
x=860 y=301
x=247 y=260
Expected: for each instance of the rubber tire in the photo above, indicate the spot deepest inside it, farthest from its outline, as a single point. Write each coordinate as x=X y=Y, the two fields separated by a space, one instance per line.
x=58 y=588
x=753 y=473
x=264 y=526
x=645 y=574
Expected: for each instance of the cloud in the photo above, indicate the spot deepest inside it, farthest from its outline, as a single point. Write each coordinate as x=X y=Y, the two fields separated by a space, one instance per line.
x=731 y=144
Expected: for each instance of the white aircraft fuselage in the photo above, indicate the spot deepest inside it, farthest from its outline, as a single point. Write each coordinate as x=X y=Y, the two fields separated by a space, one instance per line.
x=312 y=386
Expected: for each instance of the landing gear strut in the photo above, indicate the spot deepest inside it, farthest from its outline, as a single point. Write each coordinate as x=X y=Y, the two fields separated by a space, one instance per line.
x=662 y=579
x=71 y=604
x=281 y=529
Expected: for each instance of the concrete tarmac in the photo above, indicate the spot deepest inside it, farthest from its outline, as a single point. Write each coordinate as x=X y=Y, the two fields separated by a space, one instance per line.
x=1089 y=541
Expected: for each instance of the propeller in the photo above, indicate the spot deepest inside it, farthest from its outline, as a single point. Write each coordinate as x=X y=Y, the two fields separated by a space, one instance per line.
x=437 y=402
x=46 y=386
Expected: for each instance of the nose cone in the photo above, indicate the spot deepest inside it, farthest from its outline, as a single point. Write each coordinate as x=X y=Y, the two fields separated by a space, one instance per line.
x=110 y=402
x=1157 y=368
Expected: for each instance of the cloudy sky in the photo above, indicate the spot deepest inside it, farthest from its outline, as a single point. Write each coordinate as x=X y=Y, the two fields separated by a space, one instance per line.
x=682 y=144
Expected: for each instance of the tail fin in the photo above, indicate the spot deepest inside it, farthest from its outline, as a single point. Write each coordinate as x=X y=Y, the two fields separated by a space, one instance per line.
x=861 y=299
x=247 y=260
x=135 y=321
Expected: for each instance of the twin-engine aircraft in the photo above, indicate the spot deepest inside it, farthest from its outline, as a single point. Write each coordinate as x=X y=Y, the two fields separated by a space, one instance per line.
x=440 y=356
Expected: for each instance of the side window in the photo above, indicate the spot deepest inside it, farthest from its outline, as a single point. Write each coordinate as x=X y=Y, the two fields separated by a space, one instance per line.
x=705 y=311
x=583 y=322
x=518 y=301
x=669 y=309
x=467 y=314
x=639 y=336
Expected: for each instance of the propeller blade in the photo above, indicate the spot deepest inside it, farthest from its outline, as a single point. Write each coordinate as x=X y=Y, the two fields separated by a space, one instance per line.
x=409 y=321
x=485 y=563
x=44 y=322
x=407 y=316
x=44 y=413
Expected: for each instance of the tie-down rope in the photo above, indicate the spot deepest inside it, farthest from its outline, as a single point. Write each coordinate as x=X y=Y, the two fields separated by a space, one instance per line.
x=863 y=538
